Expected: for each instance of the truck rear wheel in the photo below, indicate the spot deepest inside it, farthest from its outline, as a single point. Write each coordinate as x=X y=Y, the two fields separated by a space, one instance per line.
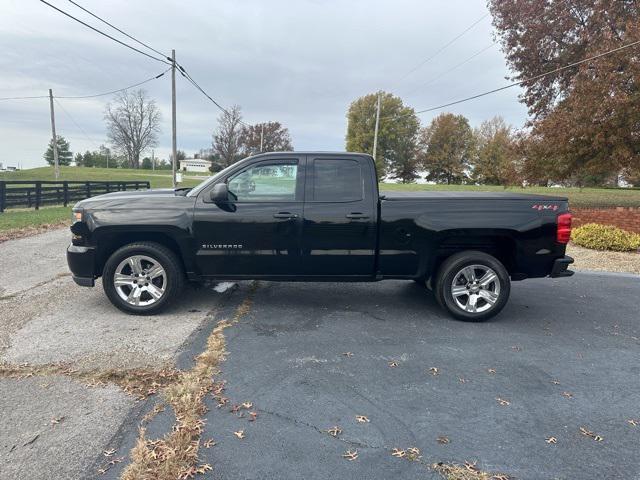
x=472 y=286
x=142 y=278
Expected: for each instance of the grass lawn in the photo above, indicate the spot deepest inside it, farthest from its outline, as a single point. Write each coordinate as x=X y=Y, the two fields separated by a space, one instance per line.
x=158 y=178
x=22 y=218
x=586 y=197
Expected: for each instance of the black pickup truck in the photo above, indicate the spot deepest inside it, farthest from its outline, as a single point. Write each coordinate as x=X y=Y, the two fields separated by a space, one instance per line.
x=305 y=216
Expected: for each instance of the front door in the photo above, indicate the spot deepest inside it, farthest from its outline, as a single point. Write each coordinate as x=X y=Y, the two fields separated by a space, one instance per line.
x=340 y=217
x=258 y=231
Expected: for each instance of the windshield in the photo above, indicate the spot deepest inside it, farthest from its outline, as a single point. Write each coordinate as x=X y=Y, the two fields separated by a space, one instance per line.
x=209 y=181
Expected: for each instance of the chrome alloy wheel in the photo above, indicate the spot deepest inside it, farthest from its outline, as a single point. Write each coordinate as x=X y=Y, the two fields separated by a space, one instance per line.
x=475 y=288
x=140 y=280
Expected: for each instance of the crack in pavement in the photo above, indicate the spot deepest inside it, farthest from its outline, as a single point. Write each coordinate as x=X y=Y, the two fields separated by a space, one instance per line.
x=321 y=431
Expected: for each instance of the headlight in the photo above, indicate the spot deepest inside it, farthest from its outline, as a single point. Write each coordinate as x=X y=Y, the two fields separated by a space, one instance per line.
x=76 y=216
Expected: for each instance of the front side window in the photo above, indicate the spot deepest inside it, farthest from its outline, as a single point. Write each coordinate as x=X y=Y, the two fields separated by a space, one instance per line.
x=337 y=181
x=265 y=183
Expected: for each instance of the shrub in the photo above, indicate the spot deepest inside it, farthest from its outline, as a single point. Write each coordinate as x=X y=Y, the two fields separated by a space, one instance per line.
x=605 y=237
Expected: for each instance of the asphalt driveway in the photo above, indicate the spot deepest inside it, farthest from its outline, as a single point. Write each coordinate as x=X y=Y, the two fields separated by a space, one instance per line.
x=564 y=354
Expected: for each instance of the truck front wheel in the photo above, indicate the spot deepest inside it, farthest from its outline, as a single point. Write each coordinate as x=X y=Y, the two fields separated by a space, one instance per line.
x=142 y=278
x=472 y=286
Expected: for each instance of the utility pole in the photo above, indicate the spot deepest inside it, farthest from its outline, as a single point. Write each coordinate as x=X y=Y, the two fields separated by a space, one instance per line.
x=56 y=166
x=173 y=115
x=153 y=160
x=375 y=134
x=261 y=137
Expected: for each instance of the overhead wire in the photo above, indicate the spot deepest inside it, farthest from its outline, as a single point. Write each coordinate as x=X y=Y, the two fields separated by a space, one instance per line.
x=520 y=82
x=104 y=34
x=74 y=97
x=441 y=49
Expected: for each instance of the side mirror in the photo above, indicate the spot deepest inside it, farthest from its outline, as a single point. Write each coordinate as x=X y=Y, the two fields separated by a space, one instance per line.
x=220 y=193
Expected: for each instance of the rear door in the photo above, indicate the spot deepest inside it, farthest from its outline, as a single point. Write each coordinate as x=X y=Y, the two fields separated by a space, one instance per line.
x=257 y=233
x=340 y=215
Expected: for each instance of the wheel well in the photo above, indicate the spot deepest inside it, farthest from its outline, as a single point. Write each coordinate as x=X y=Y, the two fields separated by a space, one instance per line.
x=110 y=242
x=501 y=247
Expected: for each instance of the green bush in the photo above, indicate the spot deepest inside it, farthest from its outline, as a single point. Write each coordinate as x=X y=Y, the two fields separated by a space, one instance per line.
x=605 y=237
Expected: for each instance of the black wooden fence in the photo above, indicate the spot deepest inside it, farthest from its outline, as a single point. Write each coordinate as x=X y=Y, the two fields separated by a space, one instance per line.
x=28 y=194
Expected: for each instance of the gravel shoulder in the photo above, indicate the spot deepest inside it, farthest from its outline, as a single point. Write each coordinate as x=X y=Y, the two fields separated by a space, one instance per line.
x=587 y=259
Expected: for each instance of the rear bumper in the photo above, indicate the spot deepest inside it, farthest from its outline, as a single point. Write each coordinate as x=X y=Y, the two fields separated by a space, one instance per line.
x=81 y=261
x=560 y=267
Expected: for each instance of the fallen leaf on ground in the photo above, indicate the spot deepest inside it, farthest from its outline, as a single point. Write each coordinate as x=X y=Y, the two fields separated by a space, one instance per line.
x=516 y=348
x=334 y=431
x=588 y=433
x=393 y=364
x=434 y=371
x=348 y=354
x=362 y=419
x=209 y=443
x=491 y=370
x=239 y=434
x=109 y=453
x=204 y=468
x=503 y=402
x=633 y=422
x=551 y=440
x=350 y=455
x=567 y=394
x=555 y=382
x=253 y=416
x=56 y=420
x=443 y=440
x=462 y=380
x=413 y=453
x=396 y=452
x=247 y=405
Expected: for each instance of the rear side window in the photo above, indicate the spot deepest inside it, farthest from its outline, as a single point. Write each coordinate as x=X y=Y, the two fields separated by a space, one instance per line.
x=337 y=181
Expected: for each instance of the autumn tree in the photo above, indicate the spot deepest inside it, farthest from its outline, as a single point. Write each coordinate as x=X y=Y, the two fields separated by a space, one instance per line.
x=64 y=153
x=495 y=156
x=587 y=116
x=397 y=133
x=446 y=149
x=226 y=138
x=133 y=124
x=265 y=137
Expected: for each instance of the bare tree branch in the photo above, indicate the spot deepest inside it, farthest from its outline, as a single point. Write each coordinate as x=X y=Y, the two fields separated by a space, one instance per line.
x=133 y=124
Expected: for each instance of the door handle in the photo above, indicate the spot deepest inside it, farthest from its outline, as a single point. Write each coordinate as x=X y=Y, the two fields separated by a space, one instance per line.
x=357 y=215
x=287 y=215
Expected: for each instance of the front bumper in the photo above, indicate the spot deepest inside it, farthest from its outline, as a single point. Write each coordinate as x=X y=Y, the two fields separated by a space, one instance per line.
x=81 y=261
x=560 y=267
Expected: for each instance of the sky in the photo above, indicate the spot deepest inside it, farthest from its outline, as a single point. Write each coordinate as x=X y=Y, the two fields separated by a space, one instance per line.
x=299 y=62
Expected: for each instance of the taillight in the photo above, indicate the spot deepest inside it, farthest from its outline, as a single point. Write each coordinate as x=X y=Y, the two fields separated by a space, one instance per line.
x=563 y=234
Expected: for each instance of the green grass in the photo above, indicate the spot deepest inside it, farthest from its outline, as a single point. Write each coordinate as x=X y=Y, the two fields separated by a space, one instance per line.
x=585 y=197
x=158 y=178
x=22 y=218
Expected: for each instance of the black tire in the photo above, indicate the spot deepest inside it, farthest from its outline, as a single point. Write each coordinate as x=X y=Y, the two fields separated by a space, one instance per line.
x=452 y=268
x=174 y=276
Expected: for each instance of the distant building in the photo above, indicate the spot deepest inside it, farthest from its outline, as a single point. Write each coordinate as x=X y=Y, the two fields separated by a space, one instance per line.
x=195 y=165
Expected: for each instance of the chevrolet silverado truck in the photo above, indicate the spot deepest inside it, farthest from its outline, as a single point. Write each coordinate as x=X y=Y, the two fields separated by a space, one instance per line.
x=299 y=216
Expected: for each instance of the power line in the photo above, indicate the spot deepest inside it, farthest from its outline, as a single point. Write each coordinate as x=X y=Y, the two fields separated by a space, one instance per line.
x=104 y=34
x=443 y=48
x=23 y=98
x=455 y=67
x=536 y=77
x=91 y=141
x=115 y=91
x=118 y=29
x=67 y=97
x=190 y=79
